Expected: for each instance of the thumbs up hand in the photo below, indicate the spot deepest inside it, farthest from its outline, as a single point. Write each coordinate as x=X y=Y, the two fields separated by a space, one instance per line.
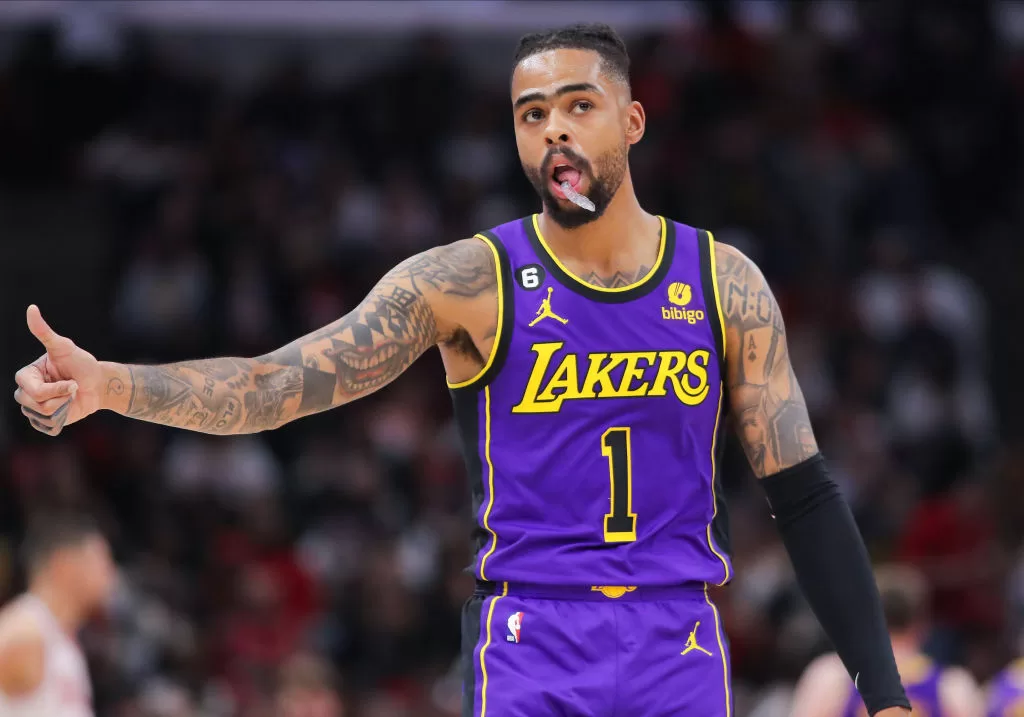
x=61 y=386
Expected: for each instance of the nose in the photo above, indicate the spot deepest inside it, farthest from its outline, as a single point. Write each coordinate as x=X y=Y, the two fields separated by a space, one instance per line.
x=556 y=132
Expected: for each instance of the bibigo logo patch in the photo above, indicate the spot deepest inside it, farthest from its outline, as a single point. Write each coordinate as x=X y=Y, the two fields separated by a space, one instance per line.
x=679 y=293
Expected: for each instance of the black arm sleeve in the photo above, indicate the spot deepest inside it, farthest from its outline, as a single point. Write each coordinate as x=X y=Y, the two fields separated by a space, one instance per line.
x=834 y=573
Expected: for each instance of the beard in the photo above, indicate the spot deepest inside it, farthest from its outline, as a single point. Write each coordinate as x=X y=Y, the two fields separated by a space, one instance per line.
x=611 y=170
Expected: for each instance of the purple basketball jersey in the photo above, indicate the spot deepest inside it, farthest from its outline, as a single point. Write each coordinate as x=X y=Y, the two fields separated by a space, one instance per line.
x=592 y=434
x=920 y=680
x=1006 y=695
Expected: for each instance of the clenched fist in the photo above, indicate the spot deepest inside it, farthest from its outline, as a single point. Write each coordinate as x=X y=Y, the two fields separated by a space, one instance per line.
x=61 y=386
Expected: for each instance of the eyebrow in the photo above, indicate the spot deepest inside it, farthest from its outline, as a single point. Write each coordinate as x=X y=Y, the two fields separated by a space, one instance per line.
x=563 y=90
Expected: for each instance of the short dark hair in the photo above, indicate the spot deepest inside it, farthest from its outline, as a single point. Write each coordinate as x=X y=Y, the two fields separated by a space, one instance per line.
x=304 y=671
x=49 y=532
x=904 y=594
x=598 y=37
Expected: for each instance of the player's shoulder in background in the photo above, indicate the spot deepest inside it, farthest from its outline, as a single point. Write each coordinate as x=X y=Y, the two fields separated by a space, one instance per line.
x=823 y=689
x=959 y=693
x=22 y=648
x=17 y=617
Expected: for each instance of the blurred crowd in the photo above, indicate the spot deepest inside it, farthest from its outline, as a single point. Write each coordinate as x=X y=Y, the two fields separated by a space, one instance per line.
x=319 y=570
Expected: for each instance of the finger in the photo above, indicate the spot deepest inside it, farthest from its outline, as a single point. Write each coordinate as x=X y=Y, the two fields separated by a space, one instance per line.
x=28 y=377
x=55 y=416
x=42 y=408
x=35 y=418
x=38 y=389
x=43 y=428
x=55 y=343
x=50 y=424
x=44 y=391
x=61 y=417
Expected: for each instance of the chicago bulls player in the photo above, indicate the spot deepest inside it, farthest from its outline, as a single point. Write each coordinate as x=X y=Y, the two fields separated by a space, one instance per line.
x=42 y=670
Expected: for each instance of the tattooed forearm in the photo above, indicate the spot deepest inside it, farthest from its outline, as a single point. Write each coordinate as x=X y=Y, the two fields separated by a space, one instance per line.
x=768 y=406
x=265 y=406
x=222 y=395
x=354 y=356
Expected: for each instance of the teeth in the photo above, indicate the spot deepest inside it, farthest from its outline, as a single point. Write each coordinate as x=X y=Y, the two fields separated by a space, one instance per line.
x=375 y=361
x=560 y=165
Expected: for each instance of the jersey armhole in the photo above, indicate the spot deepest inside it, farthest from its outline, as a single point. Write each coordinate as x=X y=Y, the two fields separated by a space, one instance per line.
x=709 y=284
x=503 y=332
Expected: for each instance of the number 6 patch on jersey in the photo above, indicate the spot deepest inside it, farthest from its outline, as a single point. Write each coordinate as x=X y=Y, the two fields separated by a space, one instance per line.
x=531 y=276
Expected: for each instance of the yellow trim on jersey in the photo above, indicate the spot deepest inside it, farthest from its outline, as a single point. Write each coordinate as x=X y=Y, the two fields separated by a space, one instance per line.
x=617 y=289
x=714 y=283
x=501 y=312
x=721 y=651
x=483 y=665
x=714 y=498
x=490 y=479
x=721 y=391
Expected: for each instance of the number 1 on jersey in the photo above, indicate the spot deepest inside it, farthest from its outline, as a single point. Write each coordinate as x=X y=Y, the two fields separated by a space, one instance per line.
x=620 y=523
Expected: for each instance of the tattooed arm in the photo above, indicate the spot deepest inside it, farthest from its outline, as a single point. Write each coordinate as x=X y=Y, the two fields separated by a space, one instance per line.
x=817 y=528
x=409 y=310
x=771 y=416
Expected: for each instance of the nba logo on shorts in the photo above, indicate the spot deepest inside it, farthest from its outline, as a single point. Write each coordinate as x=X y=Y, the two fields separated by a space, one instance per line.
x=515 y=625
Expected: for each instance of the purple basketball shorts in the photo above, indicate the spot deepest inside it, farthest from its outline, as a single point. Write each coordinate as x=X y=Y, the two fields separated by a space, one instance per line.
x=532 y=651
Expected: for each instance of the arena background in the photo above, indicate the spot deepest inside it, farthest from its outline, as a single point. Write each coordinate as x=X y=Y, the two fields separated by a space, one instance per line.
x=183 y=179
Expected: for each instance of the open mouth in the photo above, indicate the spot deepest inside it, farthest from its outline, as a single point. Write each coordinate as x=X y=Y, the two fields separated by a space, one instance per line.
x=564 y=171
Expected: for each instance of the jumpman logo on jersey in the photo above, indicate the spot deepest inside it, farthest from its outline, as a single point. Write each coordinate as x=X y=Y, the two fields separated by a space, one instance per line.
x=691 y=642
x=545 y=311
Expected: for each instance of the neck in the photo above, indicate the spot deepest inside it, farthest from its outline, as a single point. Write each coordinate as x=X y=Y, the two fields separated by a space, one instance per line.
x=60 y=602
x=904 y=646
x=605 y=245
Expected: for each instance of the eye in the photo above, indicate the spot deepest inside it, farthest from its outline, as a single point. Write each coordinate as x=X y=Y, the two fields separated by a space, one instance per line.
x=533 y=115
x=582 y=106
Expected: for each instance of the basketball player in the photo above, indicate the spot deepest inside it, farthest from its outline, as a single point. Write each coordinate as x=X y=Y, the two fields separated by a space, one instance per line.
x=591 y=356
x=1006 y=692
x=42 y=670
x=825 y=689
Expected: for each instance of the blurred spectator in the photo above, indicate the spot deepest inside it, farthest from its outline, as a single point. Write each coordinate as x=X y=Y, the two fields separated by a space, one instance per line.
x=307 y=687
x=230 y=471
x=258 y=637
x=951 y=539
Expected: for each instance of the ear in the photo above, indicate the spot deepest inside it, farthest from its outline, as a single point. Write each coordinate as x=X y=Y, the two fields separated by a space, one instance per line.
x=636 y=122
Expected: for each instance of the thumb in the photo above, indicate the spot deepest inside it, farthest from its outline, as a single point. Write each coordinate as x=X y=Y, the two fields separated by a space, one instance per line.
x=57 y=389
x=49 y=338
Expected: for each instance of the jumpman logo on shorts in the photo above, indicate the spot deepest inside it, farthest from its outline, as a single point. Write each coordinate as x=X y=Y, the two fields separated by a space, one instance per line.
x=691 y=642
x=545 y=312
